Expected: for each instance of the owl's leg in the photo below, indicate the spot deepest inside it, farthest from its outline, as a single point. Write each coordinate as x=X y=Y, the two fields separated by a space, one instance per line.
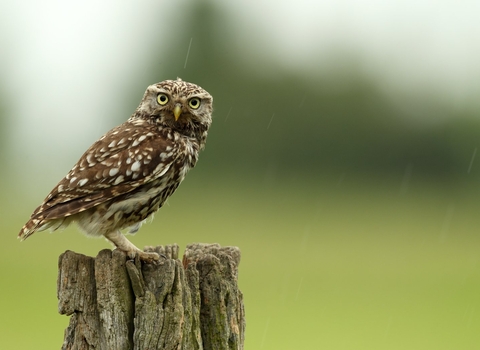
x=122 y=243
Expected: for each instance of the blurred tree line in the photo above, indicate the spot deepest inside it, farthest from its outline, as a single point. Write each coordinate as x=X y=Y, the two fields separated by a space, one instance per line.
x=267 y=117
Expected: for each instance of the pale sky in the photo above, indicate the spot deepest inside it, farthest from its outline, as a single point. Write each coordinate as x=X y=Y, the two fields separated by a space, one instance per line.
x=412 y=44
x=63 y=57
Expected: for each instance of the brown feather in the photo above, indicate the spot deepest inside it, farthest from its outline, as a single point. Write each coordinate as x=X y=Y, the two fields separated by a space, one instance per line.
x=129 y=172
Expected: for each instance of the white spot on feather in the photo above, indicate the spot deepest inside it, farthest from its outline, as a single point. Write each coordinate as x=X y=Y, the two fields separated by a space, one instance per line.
x=82 y=182
x=160 y=169
x=113 y=172
x=118 y=180
x=136 y=166
x=72 y=179
x=137 y=141
x=165 y=155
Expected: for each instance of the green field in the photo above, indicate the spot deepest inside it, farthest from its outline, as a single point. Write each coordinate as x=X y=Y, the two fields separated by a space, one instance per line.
x=328 y=262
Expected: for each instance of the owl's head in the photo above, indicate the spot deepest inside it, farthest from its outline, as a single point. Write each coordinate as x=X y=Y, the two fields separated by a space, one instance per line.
x=177 y=104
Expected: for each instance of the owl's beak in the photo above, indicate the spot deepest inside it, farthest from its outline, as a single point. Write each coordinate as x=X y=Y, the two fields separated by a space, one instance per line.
x=177 y=110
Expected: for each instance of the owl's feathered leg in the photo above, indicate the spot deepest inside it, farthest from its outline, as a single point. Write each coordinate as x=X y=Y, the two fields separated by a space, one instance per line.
x=122 y=243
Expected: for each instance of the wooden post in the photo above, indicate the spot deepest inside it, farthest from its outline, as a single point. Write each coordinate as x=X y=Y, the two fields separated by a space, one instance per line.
x=114 y=303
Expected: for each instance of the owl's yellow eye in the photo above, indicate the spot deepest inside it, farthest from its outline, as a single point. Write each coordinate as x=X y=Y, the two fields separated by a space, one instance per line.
x=194 y=103
x=162 y=99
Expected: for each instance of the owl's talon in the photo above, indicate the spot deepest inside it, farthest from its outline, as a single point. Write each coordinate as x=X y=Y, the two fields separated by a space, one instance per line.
x=129 y=173
x=149 y=257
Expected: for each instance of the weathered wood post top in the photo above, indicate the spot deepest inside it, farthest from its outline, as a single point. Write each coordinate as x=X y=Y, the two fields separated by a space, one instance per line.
x=120 y=304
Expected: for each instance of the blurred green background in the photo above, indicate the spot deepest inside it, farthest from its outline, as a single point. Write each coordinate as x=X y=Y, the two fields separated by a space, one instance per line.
x=343 y=162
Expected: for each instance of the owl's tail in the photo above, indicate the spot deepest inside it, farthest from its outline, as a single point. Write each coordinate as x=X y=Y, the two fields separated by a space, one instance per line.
x=29 y=228
x=38 y=224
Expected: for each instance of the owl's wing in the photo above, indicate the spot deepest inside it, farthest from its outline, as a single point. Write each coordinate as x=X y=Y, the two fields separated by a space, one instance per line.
x=125 y=158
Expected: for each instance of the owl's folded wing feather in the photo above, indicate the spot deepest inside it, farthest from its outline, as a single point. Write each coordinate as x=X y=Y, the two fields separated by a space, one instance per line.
x=124 y=159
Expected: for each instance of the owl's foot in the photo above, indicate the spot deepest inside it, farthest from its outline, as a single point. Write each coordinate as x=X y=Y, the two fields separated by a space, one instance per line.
x=123 y=244
x=144 y=256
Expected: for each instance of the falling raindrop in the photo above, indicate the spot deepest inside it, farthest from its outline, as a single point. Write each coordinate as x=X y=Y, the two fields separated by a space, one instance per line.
x=188 y=52
x=298 y=289
x=471 y=160
x=228 y=114
x=270 y=121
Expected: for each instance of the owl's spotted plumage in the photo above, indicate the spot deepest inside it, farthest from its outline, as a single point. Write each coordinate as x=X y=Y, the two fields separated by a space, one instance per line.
x=127 y=175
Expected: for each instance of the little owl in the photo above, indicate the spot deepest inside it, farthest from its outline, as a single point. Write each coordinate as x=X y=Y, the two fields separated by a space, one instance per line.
x=128 y=174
